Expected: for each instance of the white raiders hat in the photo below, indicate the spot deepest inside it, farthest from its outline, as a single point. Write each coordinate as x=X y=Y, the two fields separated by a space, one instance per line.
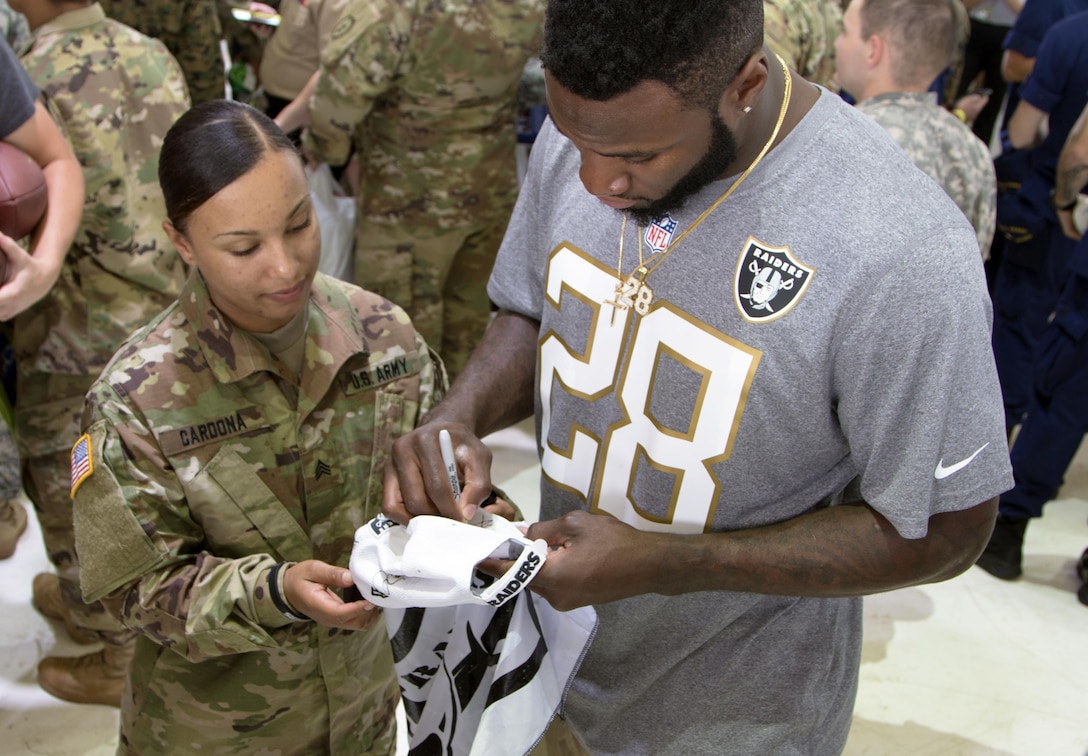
x=432 y=561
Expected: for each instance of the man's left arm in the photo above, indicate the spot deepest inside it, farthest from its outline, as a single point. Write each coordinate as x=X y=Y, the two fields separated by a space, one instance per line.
x=847 y=550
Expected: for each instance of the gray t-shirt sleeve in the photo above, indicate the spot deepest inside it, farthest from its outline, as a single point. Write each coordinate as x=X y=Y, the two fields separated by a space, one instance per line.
x=517 y=281
x=921 y=387
x=17 y=95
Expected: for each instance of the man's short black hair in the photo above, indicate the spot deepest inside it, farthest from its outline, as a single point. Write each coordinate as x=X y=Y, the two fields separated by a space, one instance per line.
x=599 y=49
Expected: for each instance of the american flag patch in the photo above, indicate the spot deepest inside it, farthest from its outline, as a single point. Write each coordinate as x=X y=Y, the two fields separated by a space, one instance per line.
x=659 y=233
x=82 y=467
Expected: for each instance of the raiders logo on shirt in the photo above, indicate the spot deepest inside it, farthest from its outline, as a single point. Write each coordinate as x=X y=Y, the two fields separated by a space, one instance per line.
x=769 y=281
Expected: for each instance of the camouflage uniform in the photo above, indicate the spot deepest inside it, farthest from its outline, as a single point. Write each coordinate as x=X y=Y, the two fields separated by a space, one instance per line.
x=945 y=149
x=294 y=52
x=115 y=93
x=191 y=31
x=212 y=463
x=803 y=32
x=427 y=91
x=13 y=27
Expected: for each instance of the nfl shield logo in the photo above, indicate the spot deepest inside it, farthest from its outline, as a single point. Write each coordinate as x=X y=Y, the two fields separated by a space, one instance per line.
x=659 y=233
x=769 y=281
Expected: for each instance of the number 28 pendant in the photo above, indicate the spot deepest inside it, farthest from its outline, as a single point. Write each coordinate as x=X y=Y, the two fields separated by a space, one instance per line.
x=634 y=293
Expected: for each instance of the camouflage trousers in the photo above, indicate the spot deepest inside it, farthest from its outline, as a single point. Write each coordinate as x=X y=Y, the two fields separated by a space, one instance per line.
x=10 y=485
x=294 y=698
x=558 y=740
x=438 y=277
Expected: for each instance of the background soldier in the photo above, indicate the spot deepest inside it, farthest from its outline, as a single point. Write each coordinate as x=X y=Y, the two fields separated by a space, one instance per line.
x=13 y=27
x=803 y=33
x=889 y=52
x=115 y=92
x=427 y=93
x=234 y=457
x=191 y=31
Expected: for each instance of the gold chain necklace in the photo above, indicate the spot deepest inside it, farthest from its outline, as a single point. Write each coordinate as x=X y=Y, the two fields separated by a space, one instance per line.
x=635 y=293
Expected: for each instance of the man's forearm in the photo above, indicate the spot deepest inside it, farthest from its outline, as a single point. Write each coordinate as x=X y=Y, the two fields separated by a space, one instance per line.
x=296 y=114
x=840 y=551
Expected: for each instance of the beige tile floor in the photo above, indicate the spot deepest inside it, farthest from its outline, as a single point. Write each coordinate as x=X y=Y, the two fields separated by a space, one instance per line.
x=970 y=667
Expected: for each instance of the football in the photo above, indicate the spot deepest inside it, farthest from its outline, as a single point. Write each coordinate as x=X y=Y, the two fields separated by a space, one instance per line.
x=22 y=192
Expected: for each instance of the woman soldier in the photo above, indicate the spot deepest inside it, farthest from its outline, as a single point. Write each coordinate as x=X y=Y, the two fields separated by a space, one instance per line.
x=230 y=450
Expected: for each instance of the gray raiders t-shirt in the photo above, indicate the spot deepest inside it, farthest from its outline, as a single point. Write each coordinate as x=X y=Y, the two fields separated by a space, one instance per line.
x=828 y=322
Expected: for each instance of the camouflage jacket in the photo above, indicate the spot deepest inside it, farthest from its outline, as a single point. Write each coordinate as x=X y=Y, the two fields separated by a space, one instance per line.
x=115 y=93
x=427 y=90
x=946 y=149
x=209 y=464
x=13 y=27
x=293 y=53
x=803 y=32
x=191 y=31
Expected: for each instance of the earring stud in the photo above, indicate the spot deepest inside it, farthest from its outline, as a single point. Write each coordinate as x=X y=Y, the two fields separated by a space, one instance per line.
x=747 y=108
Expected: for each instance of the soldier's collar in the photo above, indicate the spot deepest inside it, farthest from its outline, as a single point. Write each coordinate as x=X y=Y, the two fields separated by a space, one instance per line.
x=71 y=21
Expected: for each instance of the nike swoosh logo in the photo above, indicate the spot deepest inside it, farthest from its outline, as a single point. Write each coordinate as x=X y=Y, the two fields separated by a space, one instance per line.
x=943 y=472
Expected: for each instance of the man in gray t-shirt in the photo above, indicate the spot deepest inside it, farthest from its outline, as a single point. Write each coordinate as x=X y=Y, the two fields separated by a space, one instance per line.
x=756 y=341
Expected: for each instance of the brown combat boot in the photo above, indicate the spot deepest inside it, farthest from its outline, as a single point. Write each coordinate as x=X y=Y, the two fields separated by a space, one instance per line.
x=47 y=600
x=97 y=678
x=12 y=526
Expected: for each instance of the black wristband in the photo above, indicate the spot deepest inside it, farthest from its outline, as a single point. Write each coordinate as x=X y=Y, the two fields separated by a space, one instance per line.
x=279 y=600
x=1064 y=208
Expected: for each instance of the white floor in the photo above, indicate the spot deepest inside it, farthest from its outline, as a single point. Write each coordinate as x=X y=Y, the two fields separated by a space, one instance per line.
x=971 y=667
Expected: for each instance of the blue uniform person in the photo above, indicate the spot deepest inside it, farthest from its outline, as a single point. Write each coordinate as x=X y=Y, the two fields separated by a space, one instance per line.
x=1036 y=253
x=1057 y=415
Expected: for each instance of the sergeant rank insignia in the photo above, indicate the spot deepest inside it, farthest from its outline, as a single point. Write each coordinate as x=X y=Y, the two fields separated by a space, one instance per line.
x=769 y=281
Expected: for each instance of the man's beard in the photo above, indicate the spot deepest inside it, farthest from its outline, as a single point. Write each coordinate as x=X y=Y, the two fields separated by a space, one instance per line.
x=719 y=156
